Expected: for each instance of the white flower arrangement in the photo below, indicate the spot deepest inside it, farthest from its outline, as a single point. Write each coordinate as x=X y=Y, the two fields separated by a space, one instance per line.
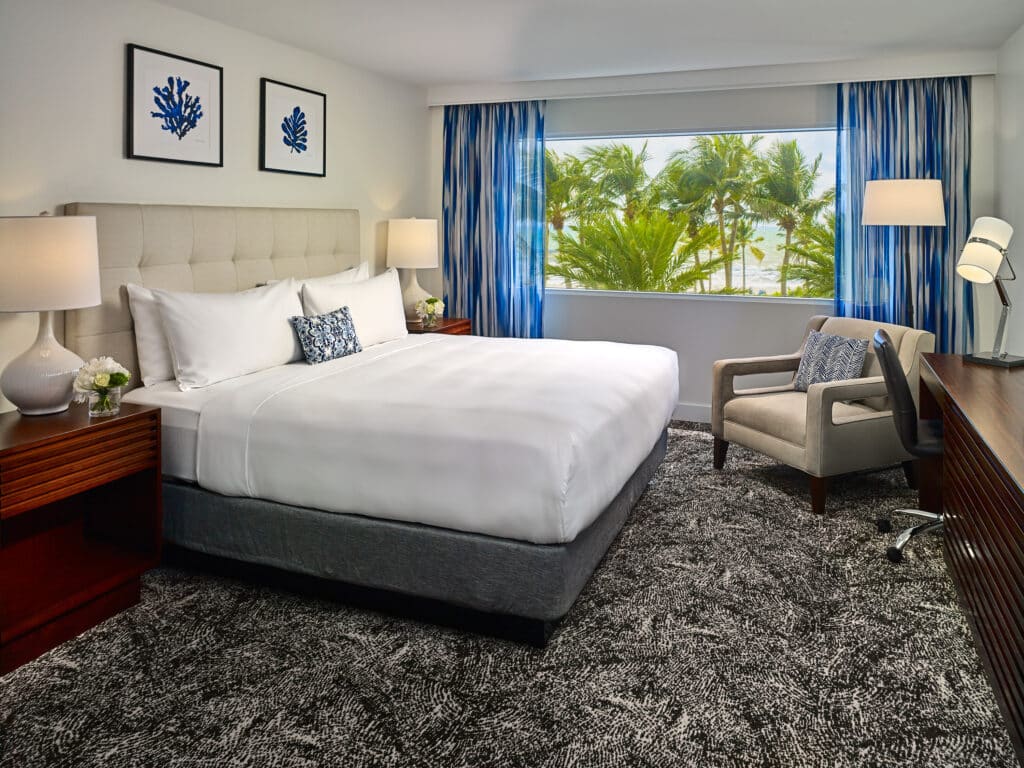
x=99 y=375
x=430 y=309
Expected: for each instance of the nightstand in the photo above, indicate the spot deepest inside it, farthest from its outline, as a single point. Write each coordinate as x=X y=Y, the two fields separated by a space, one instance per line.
x=81 y=515
x=453 y=326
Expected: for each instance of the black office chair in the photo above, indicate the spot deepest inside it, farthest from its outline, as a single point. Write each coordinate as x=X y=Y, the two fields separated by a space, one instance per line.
x=921 y=438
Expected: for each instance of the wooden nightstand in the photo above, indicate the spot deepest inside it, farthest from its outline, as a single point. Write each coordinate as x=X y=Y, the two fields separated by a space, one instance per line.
x=81 y=515
x=453 y=326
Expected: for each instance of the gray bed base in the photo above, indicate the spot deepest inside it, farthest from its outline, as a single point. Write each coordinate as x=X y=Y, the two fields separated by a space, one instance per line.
x=483 y=574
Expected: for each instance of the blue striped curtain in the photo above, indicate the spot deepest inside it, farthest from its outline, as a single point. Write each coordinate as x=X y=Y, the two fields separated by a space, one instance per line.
x=494 y=216
x=905 y=129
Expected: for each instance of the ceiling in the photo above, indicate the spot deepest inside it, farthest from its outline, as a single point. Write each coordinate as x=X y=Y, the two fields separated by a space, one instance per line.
x=438 y=42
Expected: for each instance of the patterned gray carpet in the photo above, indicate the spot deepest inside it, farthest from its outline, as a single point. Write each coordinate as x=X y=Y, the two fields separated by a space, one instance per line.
x=727 y=627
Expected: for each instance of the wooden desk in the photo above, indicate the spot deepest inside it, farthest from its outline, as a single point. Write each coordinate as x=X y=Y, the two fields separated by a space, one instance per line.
x=981 y=491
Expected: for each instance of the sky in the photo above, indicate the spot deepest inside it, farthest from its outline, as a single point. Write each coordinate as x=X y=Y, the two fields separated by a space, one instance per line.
x=660 y=148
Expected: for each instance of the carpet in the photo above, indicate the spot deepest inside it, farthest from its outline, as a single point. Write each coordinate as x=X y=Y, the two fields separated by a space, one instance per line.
x=727 y=626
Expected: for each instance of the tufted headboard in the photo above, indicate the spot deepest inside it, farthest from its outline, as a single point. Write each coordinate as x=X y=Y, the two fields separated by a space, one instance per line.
x=199 y=248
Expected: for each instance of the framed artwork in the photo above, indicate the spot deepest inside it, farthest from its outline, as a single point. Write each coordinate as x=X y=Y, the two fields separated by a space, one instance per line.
x=175 y=108
x=293 y=129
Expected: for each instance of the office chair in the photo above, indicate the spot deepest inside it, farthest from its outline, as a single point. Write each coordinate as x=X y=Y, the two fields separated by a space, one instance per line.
x=922 y=439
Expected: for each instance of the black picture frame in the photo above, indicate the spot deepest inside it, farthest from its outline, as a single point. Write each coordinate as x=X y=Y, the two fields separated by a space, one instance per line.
x=272 y=158
x=142 y=142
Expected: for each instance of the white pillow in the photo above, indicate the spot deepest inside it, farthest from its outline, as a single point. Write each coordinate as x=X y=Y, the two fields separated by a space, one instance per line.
x=375 y=306
x=352 y=275
x=217 y=336
x=155 y=362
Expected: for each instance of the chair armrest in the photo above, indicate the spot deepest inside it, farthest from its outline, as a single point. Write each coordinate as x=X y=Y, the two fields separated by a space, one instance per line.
x=746 y=366
x=821 y=397
x=857 y=441
x=724 y=371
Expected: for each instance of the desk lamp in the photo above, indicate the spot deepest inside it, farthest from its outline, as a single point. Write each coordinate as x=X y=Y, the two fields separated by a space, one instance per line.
x=979 y=262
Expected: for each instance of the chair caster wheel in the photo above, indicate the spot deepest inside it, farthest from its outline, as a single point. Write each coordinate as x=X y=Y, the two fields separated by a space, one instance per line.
x=884 y=526
x=894 y=555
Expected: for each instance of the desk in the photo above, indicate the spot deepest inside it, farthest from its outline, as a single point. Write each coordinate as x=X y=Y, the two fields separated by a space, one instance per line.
x=981 y=491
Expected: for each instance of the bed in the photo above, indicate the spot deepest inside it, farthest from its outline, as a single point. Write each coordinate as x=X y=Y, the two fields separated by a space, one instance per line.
x=486 y=475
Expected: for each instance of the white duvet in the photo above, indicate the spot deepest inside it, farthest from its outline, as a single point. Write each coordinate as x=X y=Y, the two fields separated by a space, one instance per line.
x=527 y=440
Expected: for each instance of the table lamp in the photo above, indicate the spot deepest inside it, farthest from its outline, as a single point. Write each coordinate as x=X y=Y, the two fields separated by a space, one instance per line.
x=46 y=263
x=904 y=203
x=979 y=262
x=412 y=244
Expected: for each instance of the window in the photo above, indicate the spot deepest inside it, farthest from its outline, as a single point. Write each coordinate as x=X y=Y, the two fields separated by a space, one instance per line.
x=747 y=214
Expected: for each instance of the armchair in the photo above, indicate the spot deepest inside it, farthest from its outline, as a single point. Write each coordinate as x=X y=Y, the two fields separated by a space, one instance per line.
x=833 y=428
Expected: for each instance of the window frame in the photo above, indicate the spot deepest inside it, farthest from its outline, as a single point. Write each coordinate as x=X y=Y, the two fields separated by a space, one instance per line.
x=642 y=134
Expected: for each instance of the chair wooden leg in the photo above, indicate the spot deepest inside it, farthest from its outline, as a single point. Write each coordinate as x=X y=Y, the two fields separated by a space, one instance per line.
x=910 y=472
x=720 y=449
x=818 y=488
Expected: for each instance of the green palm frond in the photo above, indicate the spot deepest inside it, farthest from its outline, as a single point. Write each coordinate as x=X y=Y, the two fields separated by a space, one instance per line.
x=815 y=245
x=647 y=253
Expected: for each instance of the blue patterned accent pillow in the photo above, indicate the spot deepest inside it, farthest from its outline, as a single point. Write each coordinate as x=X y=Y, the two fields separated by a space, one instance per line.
x=830 y=358
x=327 y=337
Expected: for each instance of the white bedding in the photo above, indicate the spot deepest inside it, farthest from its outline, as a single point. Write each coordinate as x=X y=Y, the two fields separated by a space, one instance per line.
x=526 y=440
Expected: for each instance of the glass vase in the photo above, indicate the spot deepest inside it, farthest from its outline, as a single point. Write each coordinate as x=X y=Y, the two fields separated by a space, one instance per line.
x=429 y=321
x=105 y=402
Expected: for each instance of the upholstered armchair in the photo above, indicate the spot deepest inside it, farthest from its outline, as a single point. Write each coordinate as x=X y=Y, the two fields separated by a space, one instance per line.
x=832 y=428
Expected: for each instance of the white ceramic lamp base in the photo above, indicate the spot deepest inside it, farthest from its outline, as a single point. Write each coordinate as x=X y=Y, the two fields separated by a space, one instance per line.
x=39 y=380
x=413 y=293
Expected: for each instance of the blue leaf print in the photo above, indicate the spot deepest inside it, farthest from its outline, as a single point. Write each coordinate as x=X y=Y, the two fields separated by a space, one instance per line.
x=294 y=128
x=179 y=111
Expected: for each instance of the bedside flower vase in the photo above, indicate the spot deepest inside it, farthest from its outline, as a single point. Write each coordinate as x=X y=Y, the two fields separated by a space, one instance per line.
x=429 y=321
x=105 y=403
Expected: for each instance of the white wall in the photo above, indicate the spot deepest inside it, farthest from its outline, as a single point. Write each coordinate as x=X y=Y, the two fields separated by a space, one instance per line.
x=753 y=109
x=62 y=89
x=983 y=193
x=701 y=329
x=1010 y=201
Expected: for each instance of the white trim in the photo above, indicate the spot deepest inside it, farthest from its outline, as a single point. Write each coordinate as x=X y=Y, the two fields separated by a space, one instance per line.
x=591 y=293
x=939 y=64
x=699 y=412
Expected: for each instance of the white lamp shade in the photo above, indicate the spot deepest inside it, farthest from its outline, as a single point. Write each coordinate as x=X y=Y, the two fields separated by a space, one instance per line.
x=412 y=243
x=48 y=262
x=993 y=229
x=981 y=258
x=904 y=202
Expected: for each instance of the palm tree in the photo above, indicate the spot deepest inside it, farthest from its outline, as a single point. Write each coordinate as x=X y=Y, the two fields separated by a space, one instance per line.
x=644 y=253
x=620 y=175
x=745 y=239
x=720 y=169
x=674 y=190
x=815 y=245
x=558 y=182
x=785 y=194
x=571 y=191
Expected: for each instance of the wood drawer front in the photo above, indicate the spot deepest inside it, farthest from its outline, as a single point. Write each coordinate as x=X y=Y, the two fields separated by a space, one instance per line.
x=985 y=549
x=56 y=469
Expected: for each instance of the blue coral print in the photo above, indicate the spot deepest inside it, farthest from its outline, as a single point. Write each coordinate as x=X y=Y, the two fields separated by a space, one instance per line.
x=295 y=134
x=180 y=111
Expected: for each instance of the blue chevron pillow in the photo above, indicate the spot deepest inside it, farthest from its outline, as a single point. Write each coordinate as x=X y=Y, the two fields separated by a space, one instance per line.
x=830 y=358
